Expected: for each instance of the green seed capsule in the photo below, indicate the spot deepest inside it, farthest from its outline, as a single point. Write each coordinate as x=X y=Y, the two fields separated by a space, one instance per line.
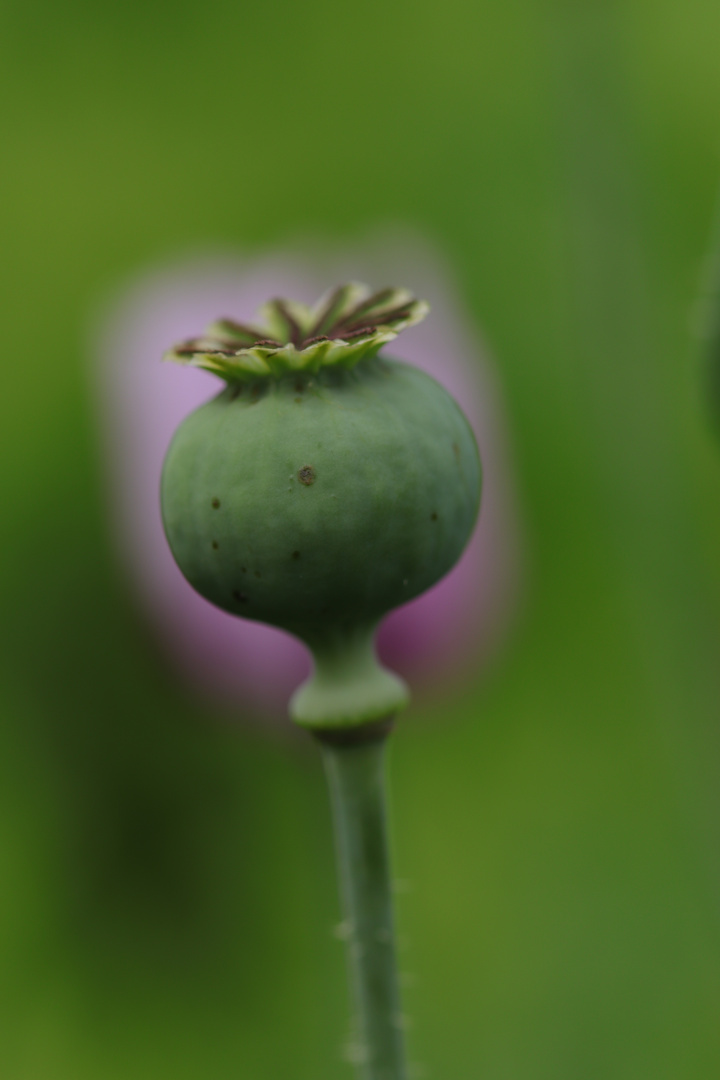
x=321 y=494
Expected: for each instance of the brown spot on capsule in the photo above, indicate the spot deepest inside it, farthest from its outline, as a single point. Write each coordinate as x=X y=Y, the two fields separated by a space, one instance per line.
x=257 y=573
x=216 y=504
x=215 y=545
x=296 y=554
x=433 y=516
x=239 y=596
x=306 y=475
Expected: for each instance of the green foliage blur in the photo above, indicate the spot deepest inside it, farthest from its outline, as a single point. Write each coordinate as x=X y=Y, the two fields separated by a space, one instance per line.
x=167 y=889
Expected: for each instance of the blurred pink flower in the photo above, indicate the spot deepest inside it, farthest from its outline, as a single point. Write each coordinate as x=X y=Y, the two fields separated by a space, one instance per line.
x=451 y=628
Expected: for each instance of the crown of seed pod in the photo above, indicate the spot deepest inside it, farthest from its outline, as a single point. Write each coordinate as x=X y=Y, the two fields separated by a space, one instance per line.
x=322 y=487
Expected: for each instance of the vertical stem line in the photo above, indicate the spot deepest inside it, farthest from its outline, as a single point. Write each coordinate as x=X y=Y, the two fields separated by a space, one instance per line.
x=356 y=777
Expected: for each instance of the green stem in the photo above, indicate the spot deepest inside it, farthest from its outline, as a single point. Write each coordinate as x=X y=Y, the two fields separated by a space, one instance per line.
x=349 y=686
x=356 y=776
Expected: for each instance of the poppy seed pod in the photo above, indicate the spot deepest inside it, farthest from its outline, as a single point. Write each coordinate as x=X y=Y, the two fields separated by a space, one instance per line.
x=324 y=486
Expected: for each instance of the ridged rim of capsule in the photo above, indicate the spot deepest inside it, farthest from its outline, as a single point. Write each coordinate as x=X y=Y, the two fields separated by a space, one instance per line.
x=346 y=325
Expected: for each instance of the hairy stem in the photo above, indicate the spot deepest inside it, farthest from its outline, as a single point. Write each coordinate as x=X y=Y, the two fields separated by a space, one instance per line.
x=356 y=776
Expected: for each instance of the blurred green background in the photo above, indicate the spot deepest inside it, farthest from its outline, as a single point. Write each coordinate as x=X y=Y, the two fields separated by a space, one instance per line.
x=166 y=887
